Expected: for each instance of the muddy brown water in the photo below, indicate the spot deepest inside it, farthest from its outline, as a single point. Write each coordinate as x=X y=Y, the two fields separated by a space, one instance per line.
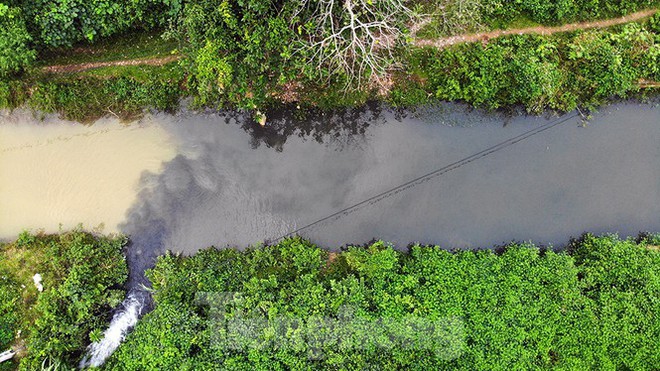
x=56 y=172
x=192 y=180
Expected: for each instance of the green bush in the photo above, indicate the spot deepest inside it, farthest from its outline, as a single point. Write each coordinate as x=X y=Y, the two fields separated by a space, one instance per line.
x=13 y=93
x=242 y=49
x=294 y=306
x=9 y=312
x=82 y=275
x=561 y=11
x=558 y=72
x=15 y=53
x=90 y=98
x=65 y=22
x=211 y=75
x=248 y=55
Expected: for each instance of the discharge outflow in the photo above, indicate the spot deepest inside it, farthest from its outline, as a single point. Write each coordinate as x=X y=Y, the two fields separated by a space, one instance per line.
x=122 y=322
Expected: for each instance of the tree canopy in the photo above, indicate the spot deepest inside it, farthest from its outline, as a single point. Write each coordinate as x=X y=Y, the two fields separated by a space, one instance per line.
x=15 y=52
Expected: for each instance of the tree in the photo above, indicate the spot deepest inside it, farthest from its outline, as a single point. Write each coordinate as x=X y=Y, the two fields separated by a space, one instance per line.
x=15 y=54
x=61 y=23
x=354 y=38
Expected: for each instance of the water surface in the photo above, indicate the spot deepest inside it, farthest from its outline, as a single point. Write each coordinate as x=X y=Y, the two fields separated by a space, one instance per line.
x=56 y=173
x=193 y=180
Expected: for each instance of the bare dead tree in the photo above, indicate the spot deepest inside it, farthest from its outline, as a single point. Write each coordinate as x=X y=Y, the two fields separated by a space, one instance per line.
x=356 y=38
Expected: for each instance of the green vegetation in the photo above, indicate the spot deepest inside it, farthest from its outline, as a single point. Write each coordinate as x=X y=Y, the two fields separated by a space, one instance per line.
x=460 y=16
x=560 y=72
x=296 y=306
x=132 y=45
x=561 y=11
x=14 y=52
x=82 y=277
x=259 y=54
x=64 y=23
x=239 y=49
x=125 y=95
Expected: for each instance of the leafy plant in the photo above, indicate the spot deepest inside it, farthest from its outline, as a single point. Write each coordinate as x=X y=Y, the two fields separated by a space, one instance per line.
x=82 y=278
x=294 y=306
x=15 y=53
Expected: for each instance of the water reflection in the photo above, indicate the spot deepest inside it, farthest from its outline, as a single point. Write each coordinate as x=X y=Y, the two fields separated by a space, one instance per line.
x=340 y=127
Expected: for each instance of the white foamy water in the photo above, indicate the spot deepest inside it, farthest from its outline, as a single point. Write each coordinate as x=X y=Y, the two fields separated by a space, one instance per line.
x=56 y=174
x=122 y=322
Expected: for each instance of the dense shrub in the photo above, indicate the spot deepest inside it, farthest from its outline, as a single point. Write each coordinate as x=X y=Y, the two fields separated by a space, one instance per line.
x=561 y=11
x=13 y=93
x=251 y=55
x=65 y=22
x=9 y=300
x=82 y=276
x=15 y=53
x=88 y=99
x=247 y=43
x=293 y=306
x=538 y=72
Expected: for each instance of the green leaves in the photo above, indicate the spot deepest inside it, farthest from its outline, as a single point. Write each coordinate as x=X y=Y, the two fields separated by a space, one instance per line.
x=292 y=306
x=9 y=307
x=83 y=276
x=561 y=11
x=241 y=50
x=212 y=74
x=15 y=53
x=557 y=72
x=62 y=23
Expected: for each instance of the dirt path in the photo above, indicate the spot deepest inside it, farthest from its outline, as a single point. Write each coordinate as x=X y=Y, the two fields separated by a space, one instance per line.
x=643 y=83
x=485 y=36
x=67 y=68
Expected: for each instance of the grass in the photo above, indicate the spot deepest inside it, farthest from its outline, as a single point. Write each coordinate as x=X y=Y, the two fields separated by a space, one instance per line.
x=22 y=264
x=435 y=30
x=521 y=21
x=124 y=91
x=143 y=73
x=132 y=45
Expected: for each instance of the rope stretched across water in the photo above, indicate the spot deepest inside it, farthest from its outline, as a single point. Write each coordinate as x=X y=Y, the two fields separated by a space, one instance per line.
x=428 y=176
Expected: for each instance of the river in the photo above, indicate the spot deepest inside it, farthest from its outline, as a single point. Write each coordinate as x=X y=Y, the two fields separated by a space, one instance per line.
x=191 y=180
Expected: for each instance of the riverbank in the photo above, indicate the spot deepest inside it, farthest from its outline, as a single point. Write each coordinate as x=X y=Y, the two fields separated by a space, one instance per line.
x=57 y=293
x=579 y=66
x=294 y=304
x=290 y=306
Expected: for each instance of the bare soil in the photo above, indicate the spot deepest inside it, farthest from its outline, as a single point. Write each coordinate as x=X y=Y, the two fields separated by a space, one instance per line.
x=643 y=83
x=68 y=68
